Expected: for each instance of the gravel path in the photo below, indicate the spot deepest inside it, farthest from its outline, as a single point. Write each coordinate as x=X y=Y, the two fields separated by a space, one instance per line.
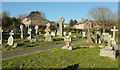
x=34 y=50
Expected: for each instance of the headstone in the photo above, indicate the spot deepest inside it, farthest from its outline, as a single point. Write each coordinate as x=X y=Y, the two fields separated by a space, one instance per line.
x=40 y=33
x=57 y=32
x=67 y=40
x=10 y=39
x=70 y=33
x=1 y=35
x=21 y=28
x=36 y=29
x=29 y=32
x=98 y=37
x=52 y=33
x=47 y=34
x=83 y=34
x=64 y=33
x=114 y=30
x=15 y=45
x=109 y=50
x=89 y=38
x=61 y=20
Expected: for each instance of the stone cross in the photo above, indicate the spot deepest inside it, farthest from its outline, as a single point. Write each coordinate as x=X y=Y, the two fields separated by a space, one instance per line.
x=47 y=34
x=67 y=40
x=114 y=30
x=61 y=20
x=29 y=32
x=10 y=39
x=36 y=28
x=1 y=35
x=89 y=38
x=21 y=27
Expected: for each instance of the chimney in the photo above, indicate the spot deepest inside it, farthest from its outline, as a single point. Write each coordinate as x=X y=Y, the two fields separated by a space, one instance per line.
x=82 y=20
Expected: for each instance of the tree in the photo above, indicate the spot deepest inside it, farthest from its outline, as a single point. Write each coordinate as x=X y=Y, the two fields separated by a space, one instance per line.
x=72 y=22
x=5 y=13
x=22 y=16
x=103 y=16
x=75 y=21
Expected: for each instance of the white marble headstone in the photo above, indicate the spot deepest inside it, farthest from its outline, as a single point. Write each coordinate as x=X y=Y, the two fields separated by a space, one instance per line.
x=10 y=39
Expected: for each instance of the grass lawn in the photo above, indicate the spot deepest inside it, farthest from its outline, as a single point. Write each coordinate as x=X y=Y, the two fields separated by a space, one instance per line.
x=24 y=44
x=59 y=58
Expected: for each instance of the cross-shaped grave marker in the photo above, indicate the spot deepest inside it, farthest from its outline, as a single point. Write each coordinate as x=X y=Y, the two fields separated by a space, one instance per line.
x=114 y=30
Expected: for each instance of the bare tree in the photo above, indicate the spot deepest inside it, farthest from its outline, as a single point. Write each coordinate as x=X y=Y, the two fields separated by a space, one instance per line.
x=103 y=16
x=22 y=16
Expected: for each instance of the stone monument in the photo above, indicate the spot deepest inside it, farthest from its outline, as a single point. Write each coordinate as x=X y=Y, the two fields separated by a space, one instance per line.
x=67 y=40
x=61 y=20
x=53 y=33
x=114 y=30
x=36 y=29
x=83 y=34
x=47 y=34
x=10 y=39
x=29 y=32
x=111 y=49
x=1 y=35
x=21 y=28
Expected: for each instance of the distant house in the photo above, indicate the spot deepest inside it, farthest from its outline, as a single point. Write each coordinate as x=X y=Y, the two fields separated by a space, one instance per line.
x=83 y=24
x=35 y=18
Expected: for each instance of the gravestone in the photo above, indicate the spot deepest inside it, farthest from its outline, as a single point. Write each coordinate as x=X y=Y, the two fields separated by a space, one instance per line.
x=36 y=29
x=29 y=32
x=64 y=33
x=61 y=20
x=114 y=30
x=1 y=35
x=98 y=37
x=83 y=34
x=89 y=38
x=21 y=28
x=15 y=45
x=109 y=50
x=70 y=33
x=106 y=36
x=67 y=40
x=10 y=39
x=39 y=33
x=47 y=34
x=52 y=33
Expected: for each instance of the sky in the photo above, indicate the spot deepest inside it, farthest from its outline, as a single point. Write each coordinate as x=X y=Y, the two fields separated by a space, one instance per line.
x=54 y=10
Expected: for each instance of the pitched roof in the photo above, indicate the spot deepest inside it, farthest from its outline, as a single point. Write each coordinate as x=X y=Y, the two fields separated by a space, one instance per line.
x=36 y=16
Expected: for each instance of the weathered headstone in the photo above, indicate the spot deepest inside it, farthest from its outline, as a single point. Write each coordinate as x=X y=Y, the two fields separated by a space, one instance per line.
x=67 y=40
x=10 y=39
x=36 y=29
x=89 y=38
x=52 y=33
x=21 y=28
x=61 y=20
x=109 y=50
x=1 y=35
x=29 y=32
x=114 y=30
x=64 y=33
x=83 y=34
x=70 y=33
x=47 y=34
x=98 y=37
